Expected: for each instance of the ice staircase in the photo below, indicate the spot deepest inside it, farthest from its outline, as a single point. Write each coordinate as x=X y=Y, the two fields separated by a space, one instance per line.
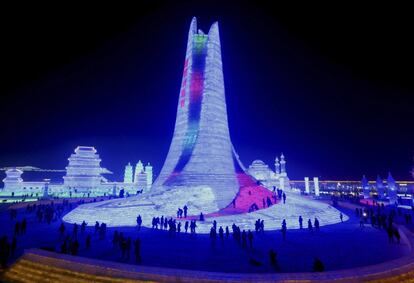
x=43 y=266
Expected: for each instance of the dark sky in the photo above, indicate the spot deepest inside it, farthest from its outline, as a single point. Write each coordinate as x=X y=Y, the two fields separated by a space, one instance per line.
x=330 y=86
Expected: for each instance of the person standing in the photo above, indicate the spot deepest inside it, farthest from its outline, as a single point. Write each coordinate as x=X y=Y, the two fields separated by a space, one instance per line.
x=273 y=258
x=316 y=224
x=61 y=229
x=318 y=265
x=244 y=239
x=83 y=227
x=137 y=250
x=139 y=222
x=221 y=233
x=13 y=246
x=23 y=227
x=88 y=242
x=309 y=225
x=96 y=227
x=250 y=237
x=397 y=235
x=186 y=226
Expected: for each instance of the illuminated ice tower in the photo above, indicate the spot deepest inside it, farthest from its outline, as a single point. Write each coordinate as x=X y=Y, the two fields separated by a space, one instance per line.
x=392 y=189
x=277 y=167
x=201 y=159
x=282 y=165
x=139 y=172
x=148 y=172
x=380 y=187
x=128 y=174
x=283 y=177
x=365 y=187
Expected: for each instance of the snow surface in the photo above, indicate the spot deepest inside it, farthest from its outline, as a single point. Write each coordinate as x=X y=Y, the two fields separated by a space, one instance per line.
x=123 y=212
x=339 y=246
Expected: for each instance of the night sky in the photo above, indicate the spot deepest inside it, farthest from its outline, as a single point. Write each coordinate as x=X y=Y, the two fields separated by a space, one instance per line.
x=329 y=86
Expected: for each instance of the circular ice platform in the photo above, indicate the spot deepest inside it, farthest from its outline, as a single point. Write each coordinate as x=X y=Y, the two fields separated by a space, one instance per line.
x=123 y=212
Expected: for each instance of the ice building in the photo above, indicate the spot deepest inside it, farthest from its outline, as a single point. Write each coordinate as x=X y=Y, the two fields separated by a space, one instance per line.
x=128 y=173
x=269 y=178
x=84 y=171
x=14 y=184
x=83 y=177
x=142 y=177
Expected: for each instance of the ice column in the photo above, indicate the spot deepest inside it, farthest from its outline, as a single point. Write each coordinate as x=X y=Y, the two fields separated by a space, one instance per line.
x=316 y=184
x=307 y=191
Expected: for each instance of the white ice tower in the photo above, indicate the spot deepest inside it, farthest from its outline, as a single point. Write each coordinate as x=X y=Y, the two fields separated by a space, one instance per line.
x=201 y=156
x=128 y=174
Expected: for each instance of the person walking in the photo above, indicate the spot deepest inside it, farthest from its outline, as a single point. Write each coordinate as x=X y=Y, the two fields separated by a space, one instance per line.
x=309 y=225
x=273 y=258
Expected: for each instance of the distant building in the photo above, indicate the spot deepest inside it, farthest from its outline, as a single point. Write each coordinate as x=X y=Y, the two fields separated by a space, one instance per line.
x=142 y=176
x=128 y=174
x=149 y=174
x=390 y=190
x=84 y=177
x=14 y=184
x=269 y=178
x=83 y=172
x=260 y=171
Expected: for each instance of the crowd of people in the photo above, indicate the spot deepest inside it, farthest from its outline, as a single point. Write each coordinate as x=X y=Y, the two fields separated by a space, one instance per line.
x=41 y=213
x=381 y=219
x=259 y=225
x=171 y=225
x=71 y=241
x=315 y=224
x=74 y=236
x=124 y=244
x=182 y=212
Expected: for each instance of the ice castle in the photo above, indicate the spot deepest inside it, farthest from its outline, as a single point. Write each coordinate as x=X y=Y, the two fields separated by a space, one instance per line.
x=202 y=169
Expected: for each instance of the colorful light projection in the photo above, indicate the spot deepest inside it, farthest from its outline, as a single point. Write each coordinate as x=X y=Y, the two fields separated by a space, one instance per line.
x=249 y=195
x=199 y=53
x=201 y=154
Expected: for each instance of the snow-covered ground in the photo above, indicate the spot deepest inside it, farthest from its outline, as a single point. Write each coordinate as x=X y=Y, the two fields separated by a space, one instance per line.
x=123 y=212
x=342 y=245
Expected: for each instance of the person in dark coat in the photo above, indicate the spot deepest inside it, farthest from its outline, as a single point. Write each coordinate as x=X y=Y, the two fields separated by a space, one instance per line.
x=137 y=250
